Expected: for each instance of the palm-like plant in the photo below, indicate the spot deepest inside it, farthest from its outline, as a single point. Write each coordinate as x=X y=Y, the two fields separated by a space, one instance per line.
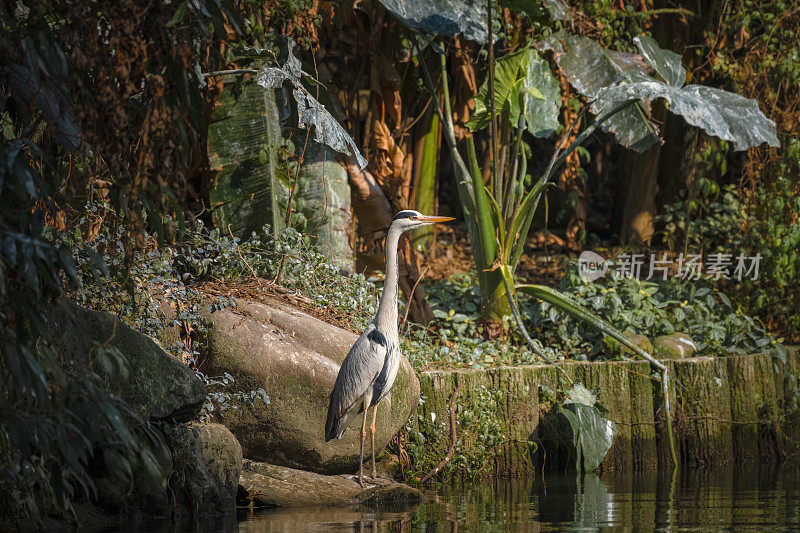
x=523 y=94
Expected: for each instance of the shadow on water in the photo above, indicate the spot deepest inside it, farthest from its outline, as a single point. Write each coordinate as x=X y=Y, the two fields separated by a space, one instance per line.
x=751 y=497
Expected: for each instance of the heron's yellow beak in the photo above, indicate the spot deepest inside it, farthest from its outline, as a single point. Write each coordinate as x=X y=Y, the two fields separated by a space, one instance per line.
x=431 y=220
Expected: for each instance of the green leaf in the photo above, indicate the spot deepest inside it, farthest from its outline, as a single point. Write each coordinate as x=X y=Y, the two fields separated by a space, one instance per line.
x=540 y=97
x=565 y=303
x=178 y=16
x=590 y=68
x=485 y=244
x=523 y=85
x=425 y=191
x=532 y=8
x=666 y=62
x=592 y=433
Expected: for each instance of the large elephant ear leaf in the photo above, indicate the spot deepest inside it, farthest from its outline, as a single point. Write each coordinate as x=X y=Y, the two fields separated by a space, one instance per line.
x=310 y=112
x=592 y=433
x=506 y=75
x=589 y=68
x=726 y=115
x=666 y=62
x=442 y=17
x=523 y=85
x=542 y=99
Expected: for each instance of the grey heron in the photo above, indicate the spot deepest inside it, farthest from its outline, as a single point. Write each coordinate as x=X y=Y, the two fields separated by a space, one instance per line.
x=368 y=371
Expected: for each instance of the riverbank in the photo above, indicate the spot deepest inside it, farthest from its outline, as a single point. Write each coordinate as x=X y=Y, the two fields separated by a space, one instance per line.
x=740 y=409
x=231 y=446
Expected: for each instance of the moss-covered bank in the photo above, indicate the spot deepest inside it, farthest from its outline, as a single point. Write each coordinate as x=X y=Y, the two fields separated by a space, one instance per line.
x=725 y=409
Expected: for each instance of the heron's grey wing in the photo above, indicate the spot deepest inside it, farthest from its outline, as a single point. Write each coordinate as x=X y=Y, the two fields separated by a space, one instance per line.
x=358 y=372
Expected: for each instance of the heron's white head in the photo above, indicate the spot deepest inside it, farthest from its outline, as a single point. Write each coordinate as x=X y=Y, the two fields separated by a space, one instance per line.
x=409 y=219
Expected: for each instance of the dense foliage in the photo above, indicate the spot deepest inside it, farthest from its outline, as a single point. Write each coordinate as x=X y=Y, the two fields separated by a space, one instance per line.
x=100 y=102
x=104 y=180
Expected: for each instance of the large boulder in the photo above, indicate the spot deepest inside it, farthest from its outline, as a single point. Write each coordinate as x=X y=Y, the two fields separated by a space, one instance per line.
x=266 y=485
x=202 y=477
x=158 y=386
x=207 y=462
x=295 y=357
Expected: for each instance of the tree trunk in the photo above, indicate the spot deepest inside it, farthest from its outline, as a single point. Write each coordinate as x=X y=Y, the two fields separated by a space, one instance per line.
x=639 y=186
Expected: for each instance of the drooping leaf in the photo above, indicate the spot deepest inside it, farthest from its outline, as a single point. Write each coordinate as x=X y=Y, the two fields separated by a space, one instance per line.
x=442 y=17
x=567 y=304
x=589 y=68
x=727 y=115
x=310 y=112
x=243 y=140
x=592 y=433
x=523 y=85
x=666 y=62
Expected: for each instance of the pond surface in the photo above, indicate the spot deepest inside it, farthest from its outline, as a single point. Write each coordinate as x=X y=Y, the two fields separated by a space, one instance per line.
x=726 y=498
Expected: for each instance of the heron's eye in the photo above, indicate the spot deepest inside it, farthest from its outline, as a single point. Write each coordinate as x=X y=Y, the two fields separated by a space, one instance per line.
x=413 y=218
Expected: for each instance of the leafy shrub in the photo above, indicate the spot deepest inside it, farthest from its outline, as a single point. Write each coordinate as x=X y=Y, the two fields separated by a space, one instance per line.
x=168 y=287
x=710 y=221
x=773 y=230
x=706 y=314
x=479 y=438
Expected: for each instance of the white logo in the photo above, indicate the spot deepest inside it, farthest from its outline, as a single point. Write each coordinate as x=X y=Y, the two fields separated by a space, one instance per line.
x=591 y=266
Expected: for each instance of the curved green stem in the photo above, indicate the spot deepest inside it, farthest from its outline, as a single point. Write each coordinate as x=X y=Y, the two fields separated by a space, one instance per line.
x=564 y=303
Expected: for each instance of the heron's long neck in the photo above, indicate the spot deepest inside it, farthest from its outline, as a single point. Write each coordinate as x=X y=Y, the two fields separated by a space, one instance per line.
x=386 y=317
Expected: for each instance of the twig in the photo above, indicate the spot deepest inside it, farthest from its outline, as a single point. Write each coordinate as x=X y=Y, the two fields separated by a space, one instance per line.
x=411 y=297
x=453 y=437
x=239 y=251
x=230 y=71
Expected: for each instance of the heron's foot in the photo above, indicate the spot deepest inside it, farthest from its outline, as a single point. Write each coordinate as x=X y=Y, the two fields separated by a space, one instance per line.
x=379 y=479
x=363 y=481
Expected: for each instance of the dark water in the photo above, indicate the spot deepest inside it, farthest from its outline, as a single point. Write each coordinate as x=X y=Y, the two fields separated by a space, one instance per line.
x=753 y=498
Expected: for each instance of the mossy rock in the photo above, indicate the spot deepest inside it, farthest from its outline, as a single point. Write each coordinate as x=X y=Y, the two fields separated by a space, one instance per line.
x=615 y=349
x=295 y=358
x=266 y=485
x=158 y=386
x=674 y=346
x=207 y=464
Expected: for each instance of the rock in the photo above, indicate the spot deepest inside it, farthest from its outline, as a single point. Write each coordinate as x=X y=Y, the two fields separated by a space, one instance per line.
x=207 y=464
x=277 y=486
x=295 y=357
x=159 y=387
x=202 y=471
x=674 y=346
x=614 y=348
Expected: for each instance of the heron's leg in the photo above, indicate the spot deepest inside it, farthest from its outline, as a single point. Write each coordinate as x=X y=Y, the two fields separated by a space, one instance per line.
x=372 y=436
x=361 y=456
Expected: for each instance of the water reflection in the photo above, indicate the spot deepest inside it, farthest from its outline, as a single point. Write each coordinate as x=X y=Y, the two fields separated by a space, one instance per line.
x=753 y=497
